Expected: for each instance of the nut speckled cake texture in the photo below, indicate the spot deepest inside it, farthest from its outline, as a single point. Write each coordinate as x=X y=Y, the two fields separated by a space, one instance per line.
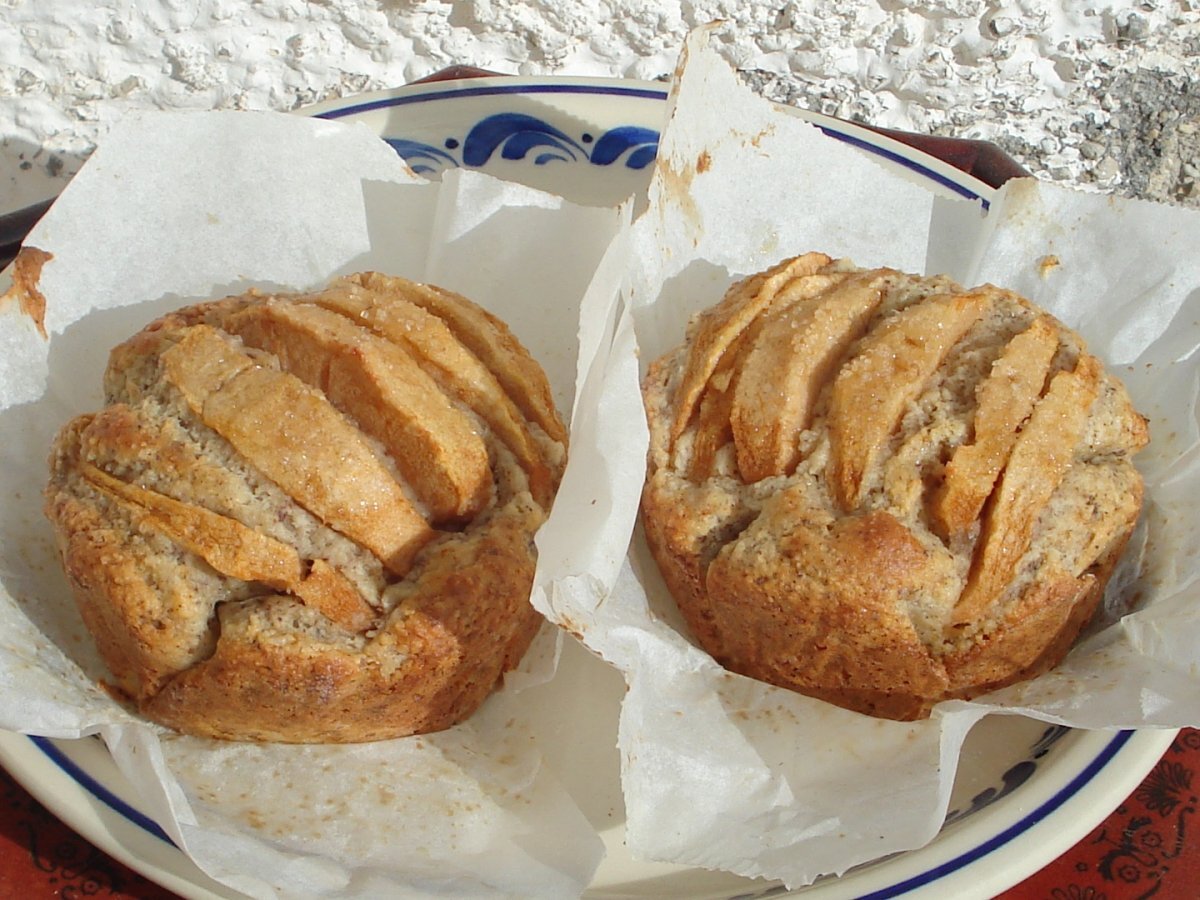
x=310 y=517
x=885 y=490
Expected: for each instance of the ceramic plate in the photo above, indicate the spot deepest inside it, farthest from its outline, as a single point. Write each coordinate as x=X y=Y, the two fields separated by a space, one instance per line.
x=1025 y=791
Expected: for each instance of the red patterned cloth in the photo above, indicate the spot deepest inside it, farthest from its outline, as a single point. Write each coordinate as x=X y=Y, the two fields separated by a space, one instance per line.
x=1148 y=847
x=42 y=857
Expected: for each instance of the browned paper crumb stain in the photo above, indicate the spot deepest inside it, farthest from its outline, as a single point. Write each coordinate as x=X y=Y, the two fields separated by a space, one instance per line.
x=677 y=185
x=1048 y=264
x=26 y=273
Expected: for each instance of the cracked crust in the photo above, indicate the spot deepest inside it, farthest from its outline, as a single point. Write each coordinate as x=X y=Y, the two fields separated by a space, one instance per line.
x=887 y=491
x=287 y=525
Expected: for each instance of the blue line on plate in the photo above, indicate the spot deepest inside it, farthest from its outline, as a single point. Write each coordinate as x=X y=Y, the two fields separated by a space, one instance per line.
x=1090 y=771
x=645 y=93
x=98 y=790
x=904 y=161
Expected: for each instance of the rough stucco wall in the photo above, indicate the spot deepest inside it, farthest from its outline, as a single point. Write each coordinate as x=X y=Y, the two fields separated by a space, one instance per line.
x=1105 y=94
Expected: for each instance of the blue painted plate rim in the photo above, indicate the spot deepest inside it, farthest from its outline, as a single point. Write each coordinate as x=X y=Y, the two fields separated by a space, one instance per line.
x=960 y=183
x=1101 y=759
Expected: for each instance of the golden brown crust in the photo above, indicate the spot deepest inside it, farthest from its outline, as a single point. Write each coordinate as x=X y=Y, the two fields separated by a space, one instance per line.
x=716 y=329
x=929 y=506
x=271 y=538
x=891 y=366
x=388 y=309
x=435 y=659
x=1006 y=397
x=295 y=436
x=1036 y=464
x=780 y=378
x=124 y=608
x=380 y=386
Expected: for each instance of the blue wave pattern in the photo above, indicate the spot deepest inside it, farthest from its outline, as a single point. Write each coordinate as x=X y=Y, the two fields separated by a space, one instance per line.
x=638 y=145
x=1016 y=775
x=424 y=159
x=517 y=136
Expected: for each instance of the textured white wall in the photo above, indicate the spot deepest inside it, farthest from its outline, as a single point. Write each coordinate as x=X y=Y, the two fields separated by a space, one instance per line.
x=1104 y=93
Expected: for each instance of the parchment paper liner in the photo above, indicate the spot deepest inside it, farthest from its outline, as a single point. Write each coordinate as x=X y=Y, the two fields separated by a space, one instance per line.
x=724 y=772
x=178 y=207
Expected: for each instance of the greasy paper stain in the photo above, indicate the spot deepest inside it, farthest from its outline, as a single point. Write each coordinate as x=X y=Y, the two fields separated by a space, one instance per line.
x=1048 y=264
x=26 y=272
x=677 y=188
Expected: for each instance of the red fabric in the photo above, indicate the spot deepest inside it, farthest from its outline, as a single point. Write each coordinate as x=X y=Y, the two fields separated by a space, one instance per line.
x=42 y=857
x=1148 y=847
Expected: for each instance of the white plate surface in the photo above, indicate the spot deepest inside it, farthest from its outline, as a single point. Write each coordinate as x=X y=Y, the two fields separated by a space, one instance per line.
x=1025 y=792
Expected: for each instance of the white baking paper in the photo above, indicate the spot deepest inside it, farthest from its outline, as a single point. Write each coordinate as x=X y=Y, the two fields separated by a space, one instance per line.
x=175 y=208
x=724 y=772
